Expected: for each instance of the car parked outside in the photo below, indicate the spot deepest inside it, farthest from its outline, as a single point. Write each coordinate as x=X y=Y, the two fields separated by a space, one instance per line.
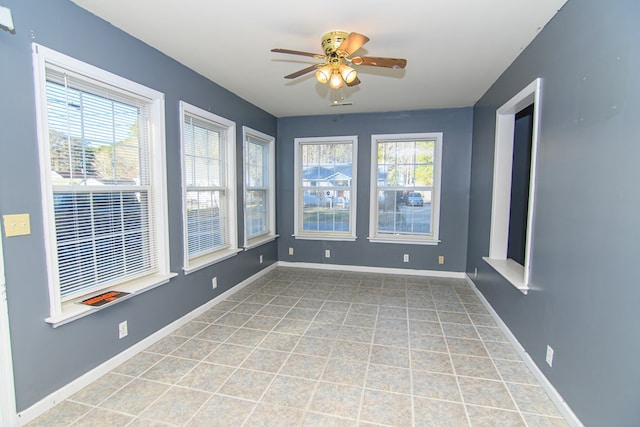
x=414 y=199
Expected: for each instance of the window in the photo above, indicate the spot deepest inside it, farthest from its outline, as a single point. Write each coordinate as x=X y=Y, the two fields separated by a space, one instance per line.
x=259 y=182
x=514 y=171
x=101 y=147
x=405 y=188
x=208 y=175
x=325 y=188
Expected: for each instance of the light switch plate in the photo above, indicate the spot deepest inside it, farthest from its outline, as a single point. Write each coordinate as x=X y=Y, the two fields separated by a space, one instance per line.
x=16 y=225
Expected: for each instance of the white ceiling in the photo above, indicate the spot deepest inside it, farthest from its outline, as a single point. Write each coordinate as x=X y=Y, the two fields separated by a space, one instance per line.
x=455 y=49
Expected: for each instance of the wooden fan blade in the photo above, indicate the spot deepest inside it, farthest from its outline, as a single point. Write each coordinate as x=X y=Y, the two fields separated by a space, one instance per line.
x=297 y=52
x=353 y=42
x=303 y=71
x=354 y=83
x=379 y=62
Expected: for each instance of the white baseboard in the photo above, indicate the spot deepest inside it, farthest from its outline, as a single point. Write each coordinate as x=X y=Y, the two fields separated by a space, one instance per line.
x=79 y=383
x=367 y=269
x=557 y=399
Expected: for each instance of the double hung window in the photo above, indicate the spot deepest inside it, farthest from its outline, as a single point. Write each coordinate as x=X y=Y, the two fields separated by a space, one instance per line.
x=405 y=188
x=259 y=184
x=208 y=170
x=101 y=146
x=325 y=188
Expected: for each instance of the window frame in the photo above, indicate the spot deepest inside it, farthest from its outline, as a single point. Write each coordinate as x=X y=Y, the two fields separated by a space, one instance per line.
x=230 y=189
x=269 y=142
x=298 y=208
x=434 y=238
x=64 y=311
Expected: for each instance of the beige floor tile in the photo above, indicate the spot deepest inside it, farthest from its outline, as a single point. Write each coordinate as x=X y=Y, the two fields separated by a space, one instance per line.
x=387 y=378
x=135 y=397
x=436 y=386
x=265 y=360
x=61 y=415
x=245 y=384
x=343 y=371
x=289 y=391
x=471 y=366
x=176 y=405
x=492 y=417
x=476 y=391
x=336 y=399
x=304 y=366
x=169 y=370
x=206 y=377
x=386 y=408
x=438 y=413
x=222 y=411
x=98 y=417
x=101 y=389
x=267 y=415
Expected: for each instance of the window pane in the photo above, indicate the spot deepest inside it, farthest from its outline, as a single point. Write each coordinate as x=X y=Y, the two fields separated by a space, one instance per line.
x=102 y=237
x=326 y=210
x=206 y=222
x=92 y=140
x=405 y=163
x=256 y=212
x=404 y=212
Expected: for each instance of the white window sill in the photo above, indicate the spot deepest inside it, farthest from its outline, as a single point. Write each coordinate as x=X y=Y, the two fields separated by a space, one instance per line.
x=401 y=241
x=261 y=241
x=324 y=237
x=206 y=261
x=510 y=270
x=74 y=309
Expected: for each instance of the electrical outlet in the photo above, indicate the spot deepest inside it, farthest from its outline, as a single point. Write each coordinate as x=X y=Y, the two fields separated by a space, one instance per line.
x=475 y=272
x=441 y=259
x=123 y=330
x=214 y=283
x=327 y=253
x=549 y=356
x=290 y=251
x=261 y=259
x=405 y=258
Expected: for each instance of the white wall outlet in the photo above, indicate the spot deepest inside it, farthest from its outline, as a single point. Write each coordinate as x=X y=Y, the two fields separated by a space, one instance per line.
x=214 y=283
x=441 y=259
x=405 y=258
x=123 y=330
x=261 y=259
x=475 y=272
x=327 y=253
x=549 y=356
x=290 y=251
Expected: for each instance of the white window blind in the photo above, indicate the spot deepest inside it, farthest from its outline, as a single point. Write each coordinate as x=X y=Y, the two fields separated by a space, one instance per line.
x=99 y=151
x=205 y=185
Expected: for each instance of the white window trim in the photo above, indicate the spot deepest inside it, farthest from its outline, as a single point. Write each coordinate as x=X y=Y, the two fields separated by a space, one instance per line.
x=435 y=195
x=323 y=235
x=63 y=312
x=191 y=265
x=270 y=141
x=515 y=273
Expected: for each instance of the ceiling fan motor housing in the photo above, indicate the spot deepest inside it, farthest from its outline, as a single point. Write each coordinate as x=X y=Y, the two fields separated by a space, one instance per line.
x=332 y=40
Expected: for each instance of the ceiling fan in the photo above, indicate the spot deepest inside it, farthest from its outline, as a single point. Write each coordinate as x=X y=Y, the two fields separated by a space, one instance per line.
x=338 y=47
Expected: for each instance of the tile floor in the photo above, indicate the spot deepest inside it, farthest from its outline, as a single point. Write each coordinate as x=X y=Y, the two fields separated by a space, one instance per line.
x=322 y=348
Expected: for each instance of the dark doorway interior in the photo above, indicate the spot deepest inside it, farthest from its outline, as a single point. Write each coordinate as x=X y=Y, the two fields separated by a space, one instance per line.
x=520 y=178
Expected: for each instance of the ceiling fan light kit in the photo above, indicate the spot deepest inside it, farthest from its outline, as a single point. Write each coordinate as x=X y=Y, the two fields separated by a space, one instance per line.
x=338 y=46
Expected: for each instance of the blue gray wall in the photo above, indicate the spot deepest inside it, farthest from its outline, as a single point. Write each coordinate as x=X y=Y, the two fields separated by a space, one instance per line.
x=46 y=358
x=455 y=124
x=586 y=237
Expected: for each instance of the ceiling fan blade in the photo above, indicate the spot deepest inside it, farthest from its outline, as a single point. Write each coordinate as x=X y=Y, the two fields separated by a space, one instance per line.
x=297 y=52
x=353 y=42
x=303 y=71
x=354 y=82
x=379 y=62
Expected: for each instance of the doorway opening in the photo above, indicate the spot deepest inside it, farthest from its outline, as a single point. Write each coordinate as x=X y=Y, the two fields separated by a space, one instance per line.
x=514 y=186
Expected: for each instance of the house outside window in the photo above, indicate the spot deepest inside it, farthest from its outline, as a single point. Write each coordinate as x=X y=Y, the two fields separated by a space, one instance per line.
x=405 y=188
x=325 y=188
